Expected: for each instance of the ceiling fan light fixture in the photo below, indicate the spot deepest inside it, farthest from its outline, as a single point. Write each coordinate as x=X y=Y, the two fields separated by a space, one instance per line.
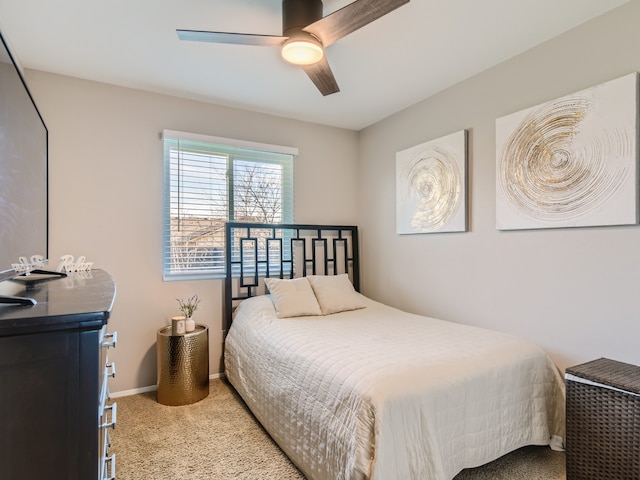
x=302 y=52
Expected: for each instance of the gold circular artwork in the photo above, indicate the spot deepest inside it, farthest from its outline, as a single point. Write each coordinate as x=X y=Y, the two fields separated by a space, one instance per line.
x=559 y=163
x=433 y=180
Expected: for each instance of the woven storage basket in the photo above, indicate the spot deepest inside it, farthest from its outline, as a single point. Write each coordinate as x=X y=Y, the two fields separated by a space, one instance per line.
x=603 y=421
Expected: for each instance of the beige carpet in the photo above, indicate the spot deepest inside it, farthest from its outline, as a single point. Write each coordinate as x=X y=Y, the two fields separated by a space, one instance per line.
x=218 y=438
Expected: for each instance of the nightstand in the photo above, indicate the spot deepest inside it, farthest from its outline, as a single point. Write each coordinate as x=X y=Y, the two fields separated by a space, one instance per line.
x=183 y=366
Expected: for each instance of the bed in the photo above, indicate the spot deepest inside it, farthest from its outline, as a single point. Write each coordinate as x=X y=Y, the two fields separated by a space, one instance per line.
x=350 y=388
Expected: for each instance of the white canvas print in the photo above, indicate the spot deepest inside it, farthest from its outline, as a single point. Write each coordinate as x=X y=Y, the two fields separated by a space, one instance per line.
x=571 y=162
x=431 y=186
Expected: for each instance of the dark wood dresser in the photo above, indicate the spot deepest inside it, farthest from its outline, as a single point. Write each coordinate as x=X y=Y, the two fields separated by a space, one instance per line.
x=54 y=417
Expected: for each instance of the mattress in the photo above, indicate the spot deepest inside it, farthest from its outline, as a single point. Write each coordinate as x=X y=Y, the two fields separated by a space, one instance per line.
x=382 y=394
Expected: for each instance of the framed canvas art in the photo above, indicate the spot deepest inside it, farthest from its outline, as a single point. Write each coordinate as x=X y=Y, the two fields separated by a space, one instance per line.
x=570 y=162
x=431 y=184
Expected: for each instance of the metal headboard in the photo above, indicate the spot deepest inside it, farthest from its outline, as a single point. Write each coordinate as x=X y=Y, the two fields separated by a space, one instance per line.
x=258 y=250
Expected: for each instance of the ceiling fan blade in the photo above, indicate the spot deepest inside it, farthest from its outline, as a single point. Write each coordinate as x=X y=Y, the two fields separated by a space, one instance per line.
x=321 y=75
x=350 y=18
x=233 y=38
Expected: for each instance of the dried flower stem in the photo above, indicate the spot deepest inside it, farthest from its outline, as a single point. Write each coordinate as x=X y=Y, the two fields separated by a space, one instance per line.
x=187 y=307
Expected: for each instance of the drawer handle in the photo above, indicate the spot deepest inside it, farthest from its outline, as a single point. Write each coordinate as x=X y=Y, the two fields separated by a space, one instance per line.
x=114 y=413
x=110 y=473
x=113 y=339
x=111 y=373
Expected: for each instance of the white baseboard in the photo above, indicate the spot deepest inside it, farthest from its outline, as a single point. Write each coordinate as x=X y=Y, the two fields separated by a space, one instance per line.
x=134 y=391
x=150 y=388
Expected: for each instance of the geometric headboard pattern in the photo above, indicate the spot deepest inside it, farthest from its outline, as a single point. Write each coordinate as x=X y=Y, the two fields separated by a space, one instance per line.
x=258 y=250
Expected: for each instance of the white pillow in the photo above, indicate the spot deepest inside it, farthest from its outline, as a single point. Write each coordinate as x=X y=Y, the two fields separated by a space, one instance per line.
x=292 y=298
x=335 y=293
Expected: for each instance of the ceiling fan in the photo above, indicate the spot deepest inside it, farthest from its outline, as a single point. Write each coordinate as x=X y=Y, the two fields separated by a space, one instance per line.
x=306 y=33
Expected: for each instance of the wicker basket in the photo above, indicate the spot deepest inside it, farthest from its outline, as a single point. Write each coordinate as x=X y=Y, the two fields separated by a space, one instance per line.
x=603 y=421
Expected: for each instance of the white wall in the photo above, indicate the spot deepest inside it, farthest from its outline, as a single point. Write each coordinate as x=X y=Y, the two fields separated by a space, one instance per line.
x=105 y=162
x=573 y=291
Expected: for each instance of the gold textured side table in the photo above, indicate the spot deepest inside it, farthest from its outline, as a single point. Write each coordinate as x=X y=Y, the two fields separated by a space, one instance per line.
x=183 y=366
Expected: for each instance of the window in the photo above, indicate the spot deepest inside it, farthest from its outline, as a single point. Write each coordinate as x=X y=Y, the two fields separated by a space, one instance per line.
x=210 y=180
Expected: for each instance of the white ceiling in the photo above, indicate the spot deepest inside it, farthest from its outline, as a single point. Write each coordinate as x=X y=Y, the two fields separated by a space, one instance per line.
x=410 y=54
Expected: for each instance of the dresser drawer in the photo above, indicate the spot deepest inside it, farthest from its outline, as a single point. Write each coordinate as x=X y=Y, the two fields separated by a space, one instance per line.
x=107 y=413
x=108 y=462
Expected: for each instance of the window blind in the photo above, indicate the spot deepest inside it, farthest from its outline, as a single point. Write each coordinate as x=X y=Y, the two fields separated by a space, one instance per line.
x=209 y=181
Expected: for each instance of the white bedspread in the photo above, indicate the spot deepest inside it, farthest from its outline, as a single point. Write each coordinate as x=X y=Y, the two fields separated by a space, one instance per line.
x=382 y=394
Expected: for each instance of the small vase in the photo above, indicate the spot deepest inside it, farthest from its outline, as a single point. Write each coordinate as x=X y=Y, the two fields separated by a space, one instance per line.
x=190 y=324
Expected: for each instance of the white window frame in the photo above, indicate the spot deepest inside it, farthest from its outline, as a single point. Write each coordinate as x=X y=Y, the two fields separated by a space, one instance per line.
x=234 y=151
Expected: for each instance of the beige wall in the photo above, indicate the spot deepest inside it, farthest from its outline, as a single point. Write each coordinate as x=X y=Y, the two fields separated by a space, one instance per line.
x=573 y=291
x=106 y=163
